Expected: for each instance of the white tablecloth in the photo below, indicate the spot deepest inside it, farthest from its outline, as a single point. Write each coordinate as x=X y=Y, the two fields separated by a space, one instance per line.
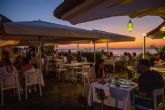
x=77 y=64
x=122 y=94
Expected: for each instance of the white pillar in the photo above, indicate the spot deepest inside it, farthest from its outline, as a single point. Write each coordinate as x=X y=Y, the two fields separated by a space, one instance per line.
x=55 y=47
x=78 y=47
x=38 y=49
x=144 y=45
x=107 y=47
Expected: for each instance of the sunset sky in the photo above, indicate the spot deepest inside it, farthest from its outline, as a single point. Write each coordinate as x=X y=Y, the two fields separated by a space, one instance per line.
x=29 y=10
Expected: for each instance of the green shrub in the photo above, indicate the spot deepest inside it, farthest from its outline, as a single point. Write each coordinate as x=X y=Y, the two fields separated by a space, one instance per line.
x=90 y=56
x=49 y=50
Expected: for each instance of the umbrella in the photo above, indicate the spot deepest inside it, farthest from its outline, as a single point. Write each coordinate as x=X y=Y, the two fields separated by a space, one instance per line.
x=33 y=30
x=51 y=32
x=4 y=18
x=88 y=10
x=42 y=31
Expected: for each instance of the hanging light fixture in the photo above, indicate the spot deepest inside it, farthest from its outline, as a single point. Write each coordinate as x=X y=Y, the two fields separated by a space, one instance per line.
x=130 y=25
x=164 y=37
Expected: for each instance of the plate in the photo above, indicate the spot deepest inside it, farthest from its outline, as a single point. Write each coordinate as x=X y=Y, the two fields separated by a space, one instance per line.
x=124 y=86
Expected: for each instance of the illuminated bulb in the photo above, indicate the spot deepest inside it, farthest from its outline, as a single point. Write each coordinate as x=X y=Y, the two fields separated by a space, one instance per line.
x=164 y=37
x=144 y=34
x=162 y=29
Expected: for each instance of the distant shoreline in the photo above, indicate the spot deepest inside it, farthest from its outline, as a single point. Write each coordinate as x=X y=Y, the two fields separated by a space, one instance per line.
x=100 y=48
x=117 y=51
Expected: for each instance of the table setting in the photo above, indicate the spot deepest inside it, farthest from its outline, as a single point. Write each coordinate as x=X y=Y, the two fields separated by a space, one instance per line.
x=116 y=89
x=121 y=83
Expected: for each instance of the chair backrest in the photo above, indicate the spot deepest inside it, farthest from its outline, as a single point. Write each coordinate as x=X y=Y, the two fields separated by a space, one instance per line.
x=100 y=93
x=65 y=60
x=40 y=75
x=9 y=80
x=31 y=77
x=159 y=99
x=86 y=68
x=155 y=103
x=84 y=59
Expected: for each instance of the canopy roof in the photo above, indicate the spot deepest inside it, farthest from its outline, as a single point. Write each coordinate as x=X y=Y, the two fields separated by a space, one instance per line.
x=112 y=37
x=158 y=32
x=78 y=11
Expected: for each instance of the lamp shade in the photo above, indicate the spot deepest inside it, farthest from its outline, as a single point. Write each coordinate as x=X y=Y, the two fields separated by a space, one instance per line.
x=130 y=25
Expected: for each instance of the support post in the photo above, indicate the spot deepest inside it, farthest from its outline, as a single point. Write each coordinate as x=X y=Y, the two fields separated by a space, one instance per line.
x=55 y=47
x=39 y=50
x=144 y=45
x=78 y=47
x=40 y=70
x=94 y=49
x=107 y=47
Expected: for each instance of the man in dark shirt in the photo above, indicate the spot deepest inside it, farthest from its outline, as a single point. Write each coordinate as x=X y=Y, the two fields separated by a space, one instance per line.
x=148 y=80
x=147 y=83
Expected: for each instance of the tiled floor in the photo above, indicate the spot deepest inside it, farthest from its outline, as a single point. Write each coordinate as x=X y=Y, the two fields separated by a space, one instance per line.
x=57 y=95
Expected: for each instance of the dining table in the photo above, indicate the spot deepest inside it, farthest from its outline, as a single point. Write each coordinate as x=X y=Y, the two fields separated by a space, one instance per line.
x=73 y=68
x=77 y=64
x=114 y=93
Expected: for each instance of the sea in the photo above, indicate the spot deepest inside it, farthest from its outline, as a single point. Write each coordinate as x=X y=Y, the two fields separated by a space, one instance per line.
x=132 y=50
x=116 y=51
